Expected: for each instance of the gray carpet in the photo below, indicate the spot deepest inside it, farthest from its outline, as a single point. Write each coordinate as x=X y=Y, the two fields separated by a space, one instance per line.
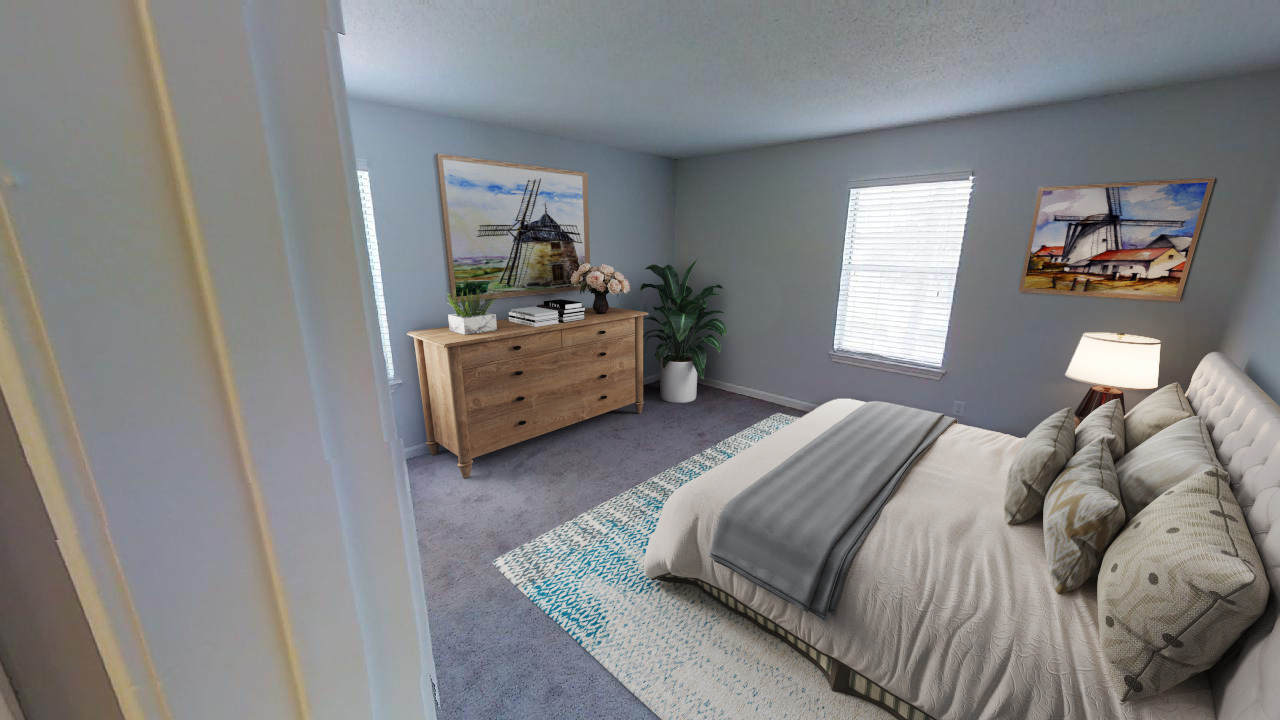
x=497 y=655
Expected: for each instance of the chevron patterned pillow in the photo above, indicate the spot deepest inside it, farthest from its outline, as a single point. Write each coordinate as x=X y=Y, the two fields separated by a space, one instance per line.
x=1039 y=459
x=1082 y=515
x=1179 y=586
x=1106 y=422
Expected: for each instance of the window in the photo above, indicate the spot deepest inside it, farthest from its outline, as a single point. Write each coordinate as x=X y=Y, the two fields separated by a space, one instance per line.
x=375 y=269
x=901 y=252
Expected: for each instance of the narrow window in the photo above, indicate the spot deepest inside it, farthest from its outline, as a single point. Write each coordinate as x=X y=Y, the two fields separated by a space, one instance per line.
x=375 y=269
x=901 y=252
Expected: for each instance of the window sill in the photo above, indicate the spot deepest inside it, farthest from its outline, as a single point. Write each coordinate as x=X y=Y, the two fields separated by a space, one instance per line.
x=887 y=366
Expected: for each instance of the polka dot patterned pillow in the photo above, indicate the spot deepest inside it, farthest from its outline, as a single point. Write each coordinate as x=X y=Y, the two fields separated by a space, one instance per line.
x=1178 y=586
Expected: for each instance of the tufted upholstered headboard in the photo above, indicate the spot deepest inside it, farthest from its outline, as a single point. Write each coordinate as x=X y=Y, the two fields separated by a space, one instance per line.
x=1245 y=425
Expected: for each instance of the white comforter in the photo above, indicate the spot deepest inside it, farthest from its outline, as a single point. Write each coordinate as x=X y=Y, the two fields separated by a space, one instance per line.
x=945 y=605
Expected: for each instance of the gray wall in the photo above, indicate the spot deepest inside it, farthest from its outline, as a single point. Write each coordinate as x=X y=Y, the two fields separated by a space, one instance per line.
x=46 y=647
x=1253 y=337
x=768 y=224
x=631 y=197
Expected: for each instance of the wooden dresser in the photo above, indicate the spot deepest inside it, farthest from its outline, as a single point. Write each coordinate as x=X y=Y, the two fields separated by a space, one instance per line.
x=483 y=392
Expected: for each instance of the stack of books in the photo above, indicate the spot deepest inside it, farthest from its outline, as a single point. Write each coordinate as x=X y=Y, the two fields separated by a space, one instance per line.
x=534 y=316
x=568 y=310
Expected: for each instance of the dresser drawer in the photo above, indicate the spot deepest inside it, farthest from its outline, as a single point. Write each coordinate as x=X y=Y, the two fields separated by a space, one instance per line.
x=511 y=427
x=523 y=372
x=516 y=347
x=488 y=401
x=597 y=332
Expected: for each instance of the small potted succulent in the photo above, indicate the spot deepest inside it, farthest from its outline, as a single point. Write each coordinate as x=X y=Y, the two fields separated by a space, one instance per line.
x=685 y=325
x=600 y=280
x=471 y=312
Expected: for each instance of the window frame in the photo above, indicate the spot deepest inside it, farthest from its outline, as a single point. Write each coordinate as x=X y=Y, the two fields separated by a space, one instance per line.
x=364 y=183
x=878 y=362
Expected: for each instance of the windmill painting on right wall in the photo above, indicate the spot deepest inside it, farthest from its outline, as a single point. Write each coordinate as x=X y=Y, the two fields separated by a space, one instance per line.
x=1122 y=240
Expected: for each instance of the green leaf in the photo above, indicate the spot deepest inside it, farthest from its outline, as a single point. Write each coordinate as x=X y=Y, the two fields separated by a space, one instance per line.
x=685 y=281
x=668 y=276
x=715 y=325
x=713 y=341
x=681 y=323
x=700 y=361
x=706 y=293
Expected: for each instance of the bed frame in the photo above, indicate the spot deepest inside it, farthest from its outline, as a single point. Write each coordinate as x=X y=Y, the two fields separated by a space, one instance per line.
x=1245 y=425
x=841 y=677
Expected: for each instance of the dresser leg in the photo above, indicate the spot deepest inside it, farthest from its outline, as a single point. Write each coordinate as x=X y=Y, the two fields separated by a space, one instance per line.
x=465 y=468
x=433 y=447
x=639 y=407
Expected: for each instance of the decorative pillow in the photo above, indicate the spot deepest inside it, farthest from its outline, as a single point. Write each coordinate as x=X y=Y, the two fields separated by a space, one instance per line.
x=1082 y=515
x=1038 y=461
x=1169 y=457
x=1179 y=586
x=1106 y=422
x=1158 y=411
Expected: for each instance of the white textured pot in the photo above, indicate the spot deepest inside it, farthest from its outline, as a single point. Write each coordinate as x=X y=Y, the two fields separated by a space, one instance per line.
x=679 y=382
x=474 y=324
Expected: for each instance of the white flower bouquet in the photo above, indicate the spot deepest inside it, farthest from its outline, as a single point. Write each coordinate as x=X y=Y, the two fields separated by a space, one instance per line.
x=600 y=279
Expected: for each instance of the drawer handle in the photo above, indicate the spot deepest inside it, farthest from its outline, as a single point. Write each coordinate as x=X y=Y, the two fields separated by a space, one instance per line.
x=515 y=347
x=603 y=354
x=600 y=332
x=603 y=377
x=519 y=399
x=604 y=397
x=521 y=422
x=518 y=372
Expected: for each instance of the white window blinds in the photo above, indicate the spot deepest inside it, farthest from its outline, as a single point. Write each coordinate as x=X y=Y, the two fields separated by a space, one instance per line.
x=901 y=252
x=375 y=269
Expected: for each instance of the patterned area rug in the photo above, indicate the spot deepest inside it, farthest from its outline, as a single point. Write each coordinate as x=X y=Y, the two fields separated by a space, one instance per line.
x=681 y=653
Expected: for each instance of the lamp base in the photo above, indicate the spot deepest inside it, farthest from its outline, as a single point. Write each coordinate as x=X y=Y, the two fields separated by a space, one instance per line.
x=1098 y=396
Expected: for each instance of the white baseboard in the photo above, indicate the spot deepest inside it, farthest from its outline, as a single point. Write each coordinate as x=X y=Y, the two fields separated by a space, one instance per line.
x=652 y=378
x=759 y=394
x=413 y=451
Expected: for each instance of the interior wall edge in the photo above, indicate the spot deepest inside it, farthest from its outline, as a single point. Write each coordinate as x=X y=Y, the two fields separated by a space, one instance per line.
x=43 y=417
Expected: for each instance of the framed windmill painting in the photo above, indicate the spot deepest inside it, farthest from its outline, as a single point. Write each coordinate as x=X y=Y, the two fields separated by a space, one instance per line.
x=1122 y=240
x=511 y=229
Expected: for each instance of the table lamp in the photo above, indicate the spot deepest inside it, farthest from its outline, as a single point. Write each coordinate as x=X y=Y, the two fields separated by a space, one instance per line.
x=1112 y=362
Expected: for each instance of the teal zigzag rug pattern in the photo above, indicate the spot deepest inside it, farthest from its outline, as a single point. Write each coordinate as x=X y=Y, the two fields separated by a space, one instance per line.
x=680 y=652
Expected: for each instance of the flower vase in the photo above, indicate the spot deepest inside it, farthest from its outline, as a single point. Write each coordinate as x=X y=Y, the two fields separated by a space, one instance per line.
x=601 y=304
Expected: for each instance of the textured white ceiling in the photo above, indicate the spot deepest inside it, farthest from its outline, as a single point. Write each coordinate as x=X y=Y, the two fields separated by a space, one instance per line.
x=686 y=78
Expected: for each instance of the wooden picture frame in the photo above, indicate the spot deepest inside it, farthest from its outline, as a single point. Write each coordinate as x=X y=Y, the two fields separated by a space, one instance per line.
x=492 y=199
x=1115 y=254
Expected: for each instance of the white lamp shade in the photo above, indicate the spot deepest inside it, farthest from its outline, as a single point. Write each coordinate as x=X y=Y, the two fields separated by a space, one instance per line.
x=1116 y=360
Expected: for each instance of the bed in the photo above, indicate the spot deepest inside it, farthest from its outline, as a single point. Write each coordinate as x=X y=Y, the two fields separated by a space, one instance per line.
x=948 y=612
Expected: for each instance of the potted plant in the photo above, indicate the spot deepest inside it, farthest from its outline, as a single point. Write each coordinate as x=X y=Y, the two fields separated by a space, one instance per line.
x=685 y=326
x=471 y=313
x=600 y=280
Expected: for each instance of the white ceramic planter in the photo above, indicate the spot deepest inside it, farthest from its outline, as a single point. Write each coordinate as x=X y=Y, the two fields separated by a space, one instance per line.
x=473 y=325
x=679 y=382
